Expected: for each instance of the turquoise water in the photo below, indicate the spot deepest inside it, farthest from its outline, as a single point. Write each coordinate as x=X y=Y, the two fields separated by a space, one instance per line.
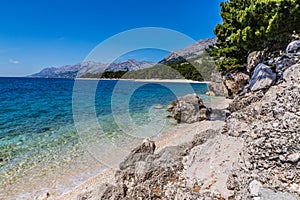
x=39 y=118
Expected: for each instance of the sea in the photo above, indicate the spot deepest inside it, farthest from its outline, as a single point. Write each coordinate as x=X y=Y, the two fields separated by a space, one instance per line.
x=57 y=133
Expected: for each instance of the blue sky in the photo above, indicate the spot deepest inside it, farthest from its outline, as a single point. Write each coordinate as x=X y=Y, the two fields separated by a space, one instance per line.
x=46 y=33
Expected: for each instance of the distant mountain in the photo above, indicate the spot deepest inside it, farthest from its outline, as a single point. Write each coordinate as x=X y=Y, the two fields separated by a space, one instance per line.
x=129 y=65
x=192 y=62
x=191 y=52
x=81 y=69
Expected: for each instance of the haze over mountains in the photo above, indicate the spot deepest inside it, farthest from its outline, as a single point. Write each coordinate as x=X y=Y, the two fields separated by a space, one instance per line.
x=80 y=69
x=192 y=52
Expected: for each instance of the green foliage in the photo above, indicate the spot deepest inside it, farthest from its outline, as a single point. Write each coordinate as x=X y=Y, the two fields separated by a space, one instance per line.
x=179 y=69
x=251 y=25
x=199 y=68
x=109 y=75
x=90 y=75
x=118 y=74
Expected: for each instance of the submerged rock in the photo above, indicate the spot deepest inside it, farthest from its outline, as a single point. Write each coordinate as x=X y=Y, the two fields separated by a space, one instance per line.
x=158 y=106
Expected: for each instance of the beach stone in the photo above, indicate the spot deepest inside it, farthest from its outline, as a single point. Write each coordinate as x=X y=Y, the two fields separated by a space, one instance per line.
x=269 y=124
x=295 y=157
x=240 y=102
x=45 y=196
x=234 y=81
x=210 y=93
x=254 y=187
x=268 y=194
x=292 y=74
x=216 y=84
x=147 y=146
x=293 y=47
x=170 y=107
x=253 y=60
x=189 y=109
x=140 y=153
x=262 y=78
x=283 y=64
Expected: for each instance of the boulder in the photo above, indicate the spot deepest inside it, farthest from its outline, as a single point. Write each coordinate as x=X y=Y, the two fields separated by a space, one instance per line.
x=295 y=157
x=266 y=194
x=292 y=74
x=283 y=64
x=234 y=81
x=189 y=109
x=147 y=146
x=254 y=59
x=254 y=187
x=216 y=84
x=140 y=153
x=262 y=78
x=293 y=47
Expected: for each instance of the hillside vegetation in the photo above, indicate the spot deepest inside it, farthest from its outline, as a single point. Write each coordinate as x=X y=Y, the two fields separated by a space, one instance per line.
x=198 y=68
x=253 y=25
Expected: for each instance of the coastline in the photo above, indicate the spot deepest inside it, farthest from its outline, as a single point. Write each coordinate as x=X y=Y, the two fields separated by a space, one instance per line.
x=181 y=133
x=145 y=80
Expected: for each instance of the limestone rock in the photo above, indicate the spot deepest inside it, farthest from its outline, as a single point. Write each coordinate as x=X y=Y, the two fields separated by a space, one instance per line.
x=254 y=187
x=293 y=47
x=210 y=93
x=234 y=81
x=262 y=78
x=267 y=194
x=189 y=109
x=295 y=157
x=254 y=59
x=139 y=153
x=216 y=84
x=292 y=74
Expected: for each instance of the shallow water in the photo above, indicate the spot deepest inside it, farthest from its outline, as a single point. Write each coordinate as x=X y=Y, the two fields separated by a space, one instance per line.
x=55 y=133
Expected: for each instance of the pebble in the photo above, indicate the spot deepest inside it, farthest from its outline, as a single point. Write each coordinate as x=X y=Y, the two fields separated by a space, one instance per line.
x=254 y=187
x=295 y=157
x=275 y=125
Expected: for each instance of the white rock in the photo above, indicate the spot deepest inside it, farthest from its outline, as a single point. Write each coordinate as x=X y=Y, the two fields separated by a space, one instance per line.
x=294 y=187
x=275 y=124
x=254 y=187
x=295 y=157
x=263 y=77
x=293 y=47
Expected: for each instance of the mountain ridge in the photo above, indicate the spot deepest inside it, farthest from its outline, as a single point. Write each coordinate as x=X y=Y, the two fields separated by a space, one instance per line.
x=191 y=55
x=91 y=67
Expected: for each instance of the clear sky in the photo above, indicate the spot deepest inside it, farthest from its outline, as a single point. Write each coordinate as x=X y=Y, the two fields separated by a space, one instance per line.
x=35 y=34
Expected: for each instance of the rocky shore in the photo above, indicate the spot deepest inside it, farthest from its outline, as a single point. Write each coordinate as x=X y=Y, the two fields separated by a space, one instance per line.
x=254 y=154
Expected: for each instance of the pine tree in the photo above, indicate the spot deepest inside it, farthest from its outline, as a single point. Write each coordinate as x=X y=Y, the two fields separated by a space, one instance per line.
x=251 y=25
